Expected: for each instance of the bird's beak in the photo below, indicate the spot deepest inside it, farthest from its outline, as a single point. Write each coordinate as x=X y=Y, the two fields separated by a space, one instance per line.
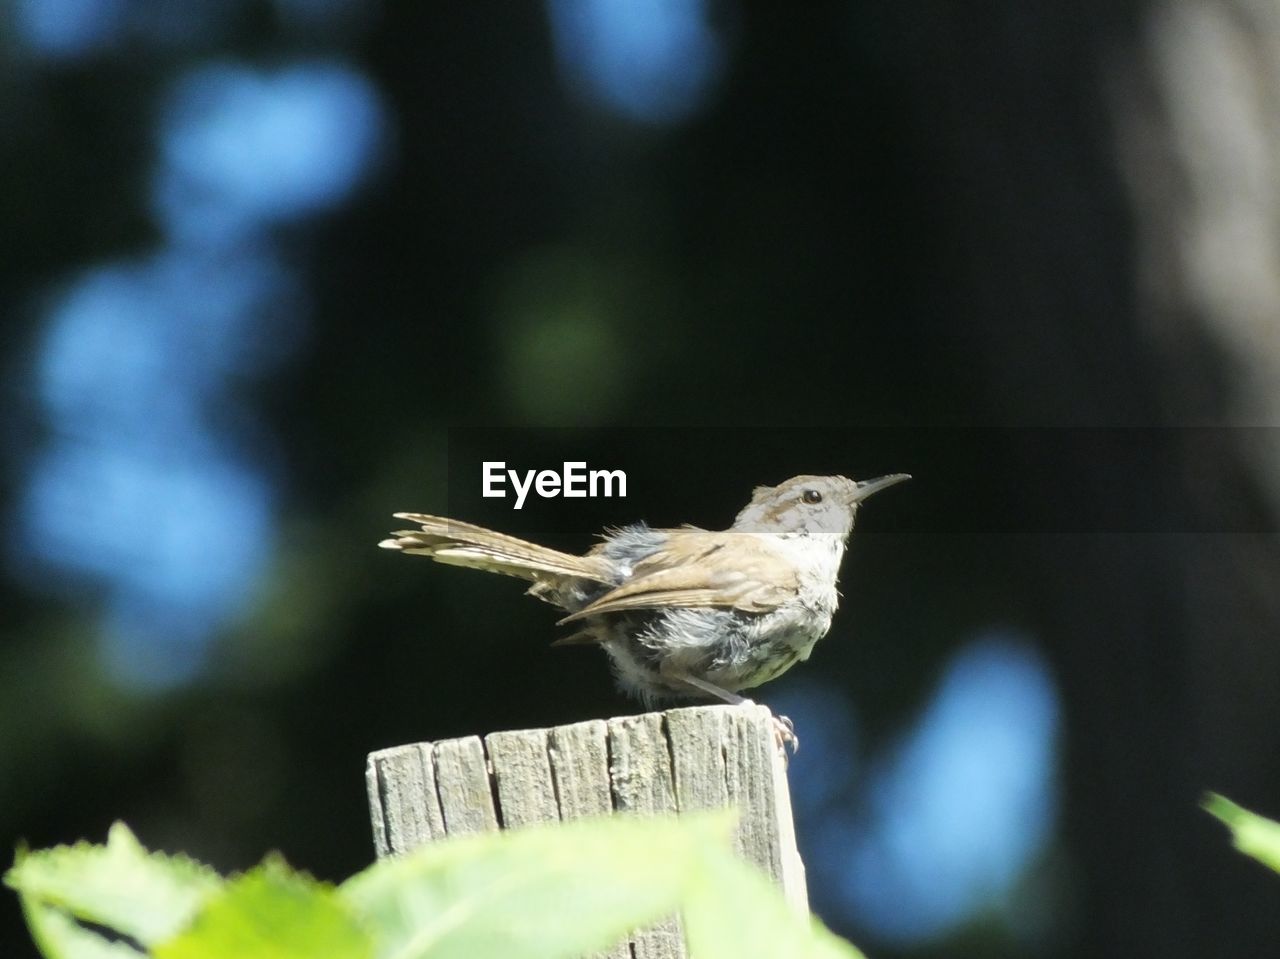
x=867 y=487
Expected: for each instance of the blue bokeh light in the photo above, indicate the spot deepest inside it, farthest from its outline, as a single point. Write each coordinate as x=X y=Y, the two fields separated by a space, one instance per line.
x=655 y=61
x=151 y=504
x=170 y=542
x=242 y=150
x=944 y=824
x=68 y=29
x=138 y=497
x=145 y=345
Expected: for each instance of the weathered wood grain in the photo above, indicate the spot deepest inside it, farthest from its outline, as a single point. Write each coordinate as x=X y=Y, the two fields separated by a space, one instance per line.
x=464 y=787
x=403 y=798
x=643 y=784
x=580 y=765
x=755 y=772
x=522 y=776
x=682 y=760
x=579 y=756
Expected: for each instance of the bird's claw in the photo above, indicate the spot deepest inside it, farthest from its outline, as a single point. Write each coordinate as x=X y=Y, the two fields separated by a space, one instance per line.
x=784 y=734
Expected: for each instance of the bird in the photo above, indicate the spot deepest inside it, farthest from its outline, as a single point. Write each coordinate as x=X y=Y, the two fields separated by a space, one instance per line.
x=685 y=613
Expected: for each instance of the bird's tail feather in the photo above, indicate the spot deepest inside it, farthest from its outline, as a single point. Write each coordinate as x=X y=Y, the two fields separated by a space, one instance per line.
x=465 y=544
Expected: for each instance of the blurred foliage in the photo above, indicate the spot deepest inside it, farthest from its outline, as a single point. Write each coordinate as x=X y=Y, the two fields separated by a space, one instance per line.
x=1252 y=834
x=539 y=893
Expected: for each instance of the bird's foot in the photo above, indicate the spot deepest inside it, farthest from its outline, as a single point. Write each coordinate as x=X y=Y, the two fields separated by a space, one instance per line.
x=784 y=734
x=784 y=730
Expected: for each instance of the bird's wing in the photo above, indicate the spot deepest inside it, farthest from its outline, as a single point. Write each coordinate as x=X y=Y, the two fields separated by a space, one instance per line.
x=696 y=568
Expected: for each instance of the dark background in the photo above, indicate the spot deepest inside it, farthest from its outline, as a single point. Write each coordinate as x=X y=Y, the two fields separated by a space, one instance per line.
x=266 y=268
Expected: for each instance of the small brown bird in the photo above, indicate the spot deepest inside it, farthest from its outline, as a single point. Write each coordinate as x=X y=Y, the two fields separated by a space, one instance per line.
x=685 y=613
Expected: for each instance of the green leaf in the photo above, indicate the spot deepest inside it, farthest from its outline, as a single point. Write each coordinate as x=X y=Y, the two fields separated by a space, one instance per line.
x=271 y=912
x=735 y=912
x=145 y=896
x=61 y=937
x=1252 y=834
x=542 y=892
x=554 y=891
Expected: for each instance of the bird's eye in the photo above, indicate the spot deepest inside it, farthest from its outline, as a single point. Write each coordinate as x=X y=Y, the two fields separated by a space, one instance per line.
x=811 y=496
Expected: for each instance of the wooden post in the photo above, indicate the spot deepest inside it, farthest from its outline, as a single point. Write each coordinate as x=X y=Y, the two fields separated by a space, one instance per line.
x=705 y=757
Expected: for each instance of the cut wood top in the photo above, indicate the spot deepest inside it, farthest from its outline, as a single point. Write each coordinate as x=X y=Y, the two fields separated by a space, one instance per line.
x=680 y=760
